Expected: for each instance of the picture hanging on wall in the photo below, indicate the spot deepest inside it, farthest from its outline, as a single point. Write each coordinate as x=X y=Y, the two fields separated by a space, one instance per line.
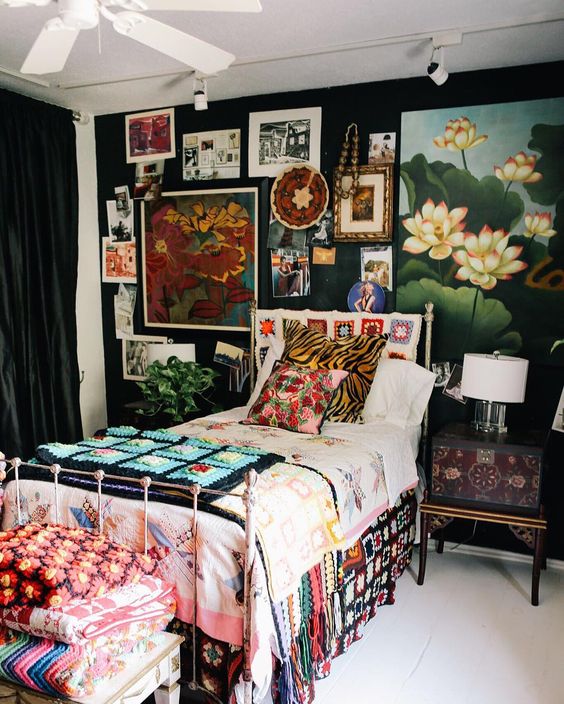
x=282 y=237
x=481 y=232
x=119 y=262
x=290 y=272
x=376 y=265
x=120 y=222
x=282 y=137
x=365 y=216
x=321 y=235
x=382 y=148
x=134 y=352
x=148 y=175
x=211 y=155
x=199 y=257
x=150 y=135
x=366 y=297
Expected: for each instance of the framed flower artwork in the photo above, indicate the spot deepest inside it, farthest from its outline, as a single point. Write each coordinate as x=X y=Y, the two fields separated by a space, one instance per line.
x=367 y=215
x=199 y=253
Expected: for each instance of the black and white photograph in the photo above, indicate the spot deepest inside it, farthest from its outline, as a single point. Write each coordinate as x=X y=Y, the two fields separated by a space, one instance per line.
x=135 y=355
x=124 y=306
x=376 y=265
x=290 y=272
x=321 y=235
x=120 y=224
x=441 y=370
x=123 y=201
x=453 y=385
x=382 y=148
x=211 y=155
x=190 y=157
x=282 y=137
x=282 y=237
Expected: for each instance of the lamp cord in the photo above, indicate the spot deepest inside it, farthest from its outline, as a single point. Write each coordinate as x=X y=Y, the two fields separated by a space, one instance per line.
x=466 y=540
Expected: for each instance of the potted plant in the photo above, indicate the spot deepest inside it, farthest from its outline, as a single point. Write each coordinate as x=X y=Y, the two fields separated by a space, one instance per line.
x=176 y=388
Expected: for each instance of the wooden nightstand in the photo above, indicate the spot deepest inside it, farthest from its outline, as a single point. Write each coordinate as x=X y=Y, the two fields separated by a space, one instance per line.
x=487 y=477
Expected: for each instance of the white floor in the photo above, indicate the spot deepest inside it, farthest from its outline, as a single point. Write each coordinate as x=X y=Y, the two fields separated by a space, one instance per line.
x=469 y=635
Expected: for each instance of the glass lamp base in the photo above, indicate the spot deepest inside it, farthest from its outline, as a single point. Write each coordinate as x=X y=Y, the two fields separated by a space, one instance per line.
x=489 y=417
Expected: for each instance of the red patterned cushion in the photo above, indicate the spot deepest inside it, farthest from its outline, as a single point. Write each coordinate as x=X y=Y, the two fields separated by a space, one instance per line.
x=295 y=398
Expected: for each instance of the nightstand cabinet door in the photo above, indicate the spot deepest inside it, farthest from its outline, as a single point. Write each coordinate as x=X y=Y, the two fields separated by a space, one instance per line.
x=467 y=472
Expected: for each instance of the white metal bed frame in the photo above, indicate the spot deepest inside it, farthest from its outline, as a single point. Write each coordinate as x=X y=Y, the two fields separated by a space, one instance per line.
x=249 y=499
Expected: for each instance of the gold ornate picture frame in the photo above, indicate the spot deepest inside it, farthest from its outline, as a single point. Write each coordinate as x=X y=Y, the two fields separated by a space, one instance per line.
x=366 y=216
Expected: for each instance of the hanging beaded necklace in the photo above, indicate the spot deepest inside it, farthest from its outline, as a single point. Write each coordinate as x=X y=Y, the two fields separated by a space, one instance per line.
x=355 y=169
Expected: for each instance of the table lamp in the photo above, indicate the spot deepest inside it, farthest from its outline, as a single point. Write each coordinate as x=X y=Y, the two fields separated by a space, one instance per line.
x=493 y=380
x=157 y=352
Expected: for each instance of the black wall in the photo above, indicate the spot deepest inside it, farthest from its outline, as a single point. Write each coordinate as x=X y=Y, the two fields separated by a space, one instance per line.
x=375 y=107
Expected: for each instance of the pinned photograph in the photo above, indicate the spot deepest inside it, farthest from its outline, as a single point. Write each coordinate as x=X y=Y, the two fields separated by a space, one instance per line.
x=382 y=148
x=282 y=237
x=135 y=353
x=453 y=385
x=228 y=354
x=147 y=174
x=120 y=223
x=124 y=306
x=123 y=201
x=441 y=370
x=321 y=235
x=150 y=134
x=366 y=297
x=281 y=137
x=376 y=265
x=290 y=272
x=190 y=157
x=119 y=263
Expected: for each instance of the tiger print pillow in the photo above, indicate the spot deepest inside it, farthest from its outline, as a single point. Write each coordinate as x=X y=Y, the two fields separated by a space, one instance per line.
x=357 y=354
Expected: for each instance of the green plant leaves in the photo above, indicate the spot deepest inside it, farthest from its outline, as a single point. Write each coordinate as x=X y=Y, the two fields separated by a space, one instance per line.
x=454 y=332
x=549 y=141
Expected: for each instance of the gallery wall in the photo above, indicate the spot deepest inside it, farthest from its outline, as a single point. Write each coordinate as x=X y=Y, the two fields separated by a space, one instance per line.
x=375 y=107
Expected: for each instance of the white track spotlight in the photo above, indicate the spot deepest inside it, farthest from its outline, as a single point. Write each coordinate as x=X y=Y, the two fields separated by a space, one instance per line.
x=436 y=70
x=200 y=94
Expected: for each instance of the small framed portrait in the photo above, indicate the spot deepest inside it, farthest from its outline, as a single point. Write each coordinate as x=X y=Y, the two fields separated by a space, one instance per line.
x=150 y=135
x=366 y=215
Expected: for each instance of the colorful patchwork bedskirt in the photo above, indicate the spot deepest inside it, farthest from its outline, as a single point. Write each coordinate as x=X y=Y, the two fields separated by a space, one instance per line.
x=322 y=618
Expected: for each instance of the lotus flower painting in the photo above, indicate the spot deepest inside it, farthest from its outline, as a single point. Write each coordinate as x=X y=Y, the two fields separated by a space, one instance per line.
x=481 y=227
x=200 y=259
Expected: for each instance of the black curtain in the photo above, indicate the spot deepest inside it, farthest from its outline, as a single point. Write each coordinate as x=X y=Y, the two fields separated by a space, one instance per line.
x=39 y=378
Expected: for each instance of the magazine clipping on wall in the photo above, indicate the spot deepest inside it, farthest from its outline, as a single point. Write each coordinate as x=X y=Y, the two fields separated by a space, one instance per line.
x=321 y=235
x=120 y=222
x=211 y=155
x=453 y=385
x=282 y=237
x=124 y=305
x=382 y=148
x=123 y=200
x=290 y=272
x=148 y=175
x=324 y=255
x=119 y=262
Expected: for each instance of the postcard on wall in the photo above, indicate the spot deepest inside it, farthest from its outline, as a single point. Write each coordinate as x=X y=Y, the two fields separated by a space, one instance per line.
x=135 y=353
x=321 y=235
x=211 y=155
x=119 y=263
x=228 y=354
x=124 y=306
x=150 y=135
x=382 y=148
x=120 y=224
x=324 y=255
x=123 y=200
x=453 y=385
x=290 y=272
x=281 y=137
x=147 y=175
x=376 y=265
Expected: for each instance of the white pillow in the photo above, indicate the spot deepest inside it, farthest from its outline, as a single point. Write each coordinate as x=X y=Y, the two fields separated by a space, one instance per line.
x=399 y=393
x=275 y=351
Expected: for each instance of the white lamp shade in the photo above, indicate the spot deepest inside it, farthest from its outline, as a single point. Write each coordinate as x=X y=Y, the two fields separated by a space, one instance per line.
x=161 y=353
x=492 y=377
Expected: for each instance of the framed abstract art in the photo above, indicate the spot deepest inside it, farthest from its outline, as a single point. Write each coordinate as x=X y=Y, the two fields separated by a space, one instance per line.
x=200 y=257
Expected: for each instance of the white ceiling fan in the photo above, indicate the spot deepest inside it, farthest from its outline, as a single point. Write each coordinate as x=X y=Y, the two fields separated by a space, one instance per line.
x=53 y=45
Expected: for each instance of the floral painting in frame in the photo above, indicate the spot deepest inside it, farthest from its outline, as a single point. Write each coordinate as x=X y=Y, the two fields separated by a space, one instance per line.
x=481 y=227
x=199 y=258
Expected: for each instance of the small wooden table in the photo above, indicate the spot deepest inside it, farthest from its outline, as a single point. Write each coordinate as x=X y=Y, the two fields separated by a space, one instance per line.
x=487 y=477
x=157 y=674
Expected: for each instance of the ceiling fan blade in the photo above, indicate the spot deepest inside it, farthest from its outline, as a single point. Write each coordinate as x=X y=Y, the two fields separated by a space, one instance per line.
x=51 y=49
x=205 y=5
x=183 y=47
x=23 y=3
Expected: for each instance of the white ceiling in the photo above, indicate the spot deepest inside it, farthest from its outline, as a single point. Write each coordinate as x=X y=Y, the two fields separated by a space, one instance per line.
x=291 y=45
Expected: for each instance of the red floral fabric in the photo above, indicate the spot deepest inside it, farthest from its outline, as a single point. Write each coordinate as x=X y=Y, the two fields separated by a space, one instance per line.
x=50 y=565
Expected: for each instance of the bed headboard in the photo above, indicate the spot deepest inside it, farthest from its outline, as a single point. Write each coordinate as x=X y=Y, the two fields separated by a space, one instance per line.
x=403 y=329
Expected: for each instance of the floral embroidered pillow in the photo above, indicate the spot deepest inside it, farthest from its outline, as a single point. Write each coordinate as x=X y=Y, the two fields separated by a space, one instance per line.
x=295 y=398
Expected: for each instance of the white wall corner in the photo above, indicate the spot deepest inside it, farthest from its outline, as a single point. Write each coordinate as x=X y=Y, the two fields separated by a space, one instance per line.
x=88 y=299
